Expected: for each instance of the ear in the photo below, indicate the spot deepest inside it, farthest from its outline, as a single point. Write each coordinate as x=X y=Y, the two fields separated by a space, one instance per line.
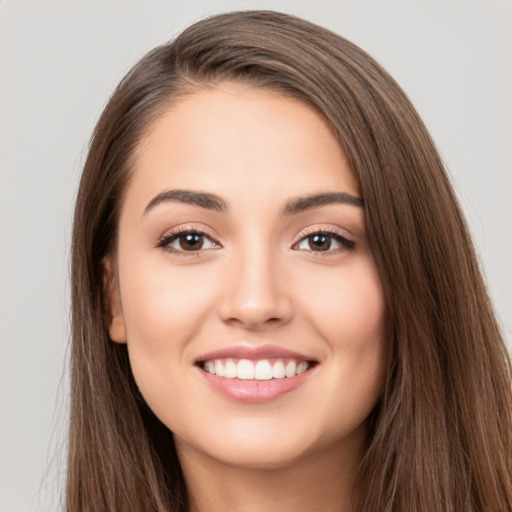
x=114 y=312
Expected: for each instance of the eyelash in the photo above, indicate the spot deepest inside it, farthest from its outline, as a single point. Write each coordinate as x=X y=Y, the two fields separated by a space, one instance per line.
x=166 y=241
x=333 y=235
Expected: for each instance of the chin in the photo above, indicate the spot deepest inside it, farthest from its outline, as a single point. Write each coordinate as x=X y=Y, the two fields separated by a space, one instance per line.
x=258 y=456
x=265 y=447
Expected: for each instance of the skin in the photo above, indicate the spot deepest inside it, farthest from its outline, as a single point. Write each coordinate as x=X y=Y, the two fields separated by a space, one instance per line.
x=256 y=282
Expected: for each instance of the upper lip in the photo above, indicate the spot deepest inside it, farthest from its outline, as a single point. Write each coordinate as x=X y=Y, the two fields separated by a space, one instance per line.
x=254 y=353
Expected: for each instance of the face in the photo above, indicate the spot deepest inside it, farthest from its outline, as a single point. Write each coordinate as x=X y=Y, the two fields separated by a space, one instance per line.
x=244 y=284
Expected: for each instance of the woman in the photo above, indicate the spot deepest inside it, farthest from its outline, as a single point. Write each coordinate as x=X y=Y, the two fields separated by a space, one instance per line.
x=276 y=303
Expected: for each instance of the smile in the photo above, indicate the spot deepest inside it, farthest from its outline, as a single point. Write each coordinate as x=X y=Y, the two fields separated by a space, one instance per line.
x=255 y=374
x=263 y=369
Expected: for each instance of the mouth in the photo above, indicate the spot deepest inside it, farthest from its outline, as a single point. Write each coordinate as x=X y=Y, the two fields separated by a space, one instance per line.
x=255 y=374
x=260 y=369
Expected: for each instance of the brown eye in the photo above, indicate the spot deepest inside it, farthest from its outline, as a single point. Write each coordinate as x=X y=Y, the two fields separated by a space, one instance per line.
x=191 y=241
x=319 y=242
x=187 y=241
x=324 y=242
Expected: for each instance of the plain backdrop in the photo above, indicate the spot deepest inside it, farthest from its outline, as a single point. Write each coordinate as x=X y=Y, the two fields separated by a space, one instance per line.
x=59 y=62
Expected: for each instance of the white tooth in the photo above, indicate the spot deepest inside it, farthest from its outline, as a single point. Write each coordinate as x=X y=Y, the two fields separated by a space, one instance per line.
x=278 y=370
x=209 y=367
x=230 y=369
x=219 y=368
x=245 y=369
x=302 y=367
x=263 y=370
x=290 y=369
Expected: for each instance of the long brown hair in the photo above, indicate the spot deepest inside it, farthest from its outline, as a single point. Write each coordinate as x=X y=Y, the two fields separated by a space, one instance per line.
x=440 y=437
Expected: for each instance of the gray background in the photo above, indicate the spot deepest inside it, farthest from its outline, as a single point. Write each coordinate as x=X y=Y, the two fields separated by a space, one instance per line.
x=59 y=62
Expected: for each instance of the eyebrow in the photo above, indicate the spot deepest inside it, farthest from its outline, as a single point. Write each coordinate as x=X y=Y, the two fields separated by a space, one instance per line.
x=214 y=202
x=302 y=204
x=201 y=199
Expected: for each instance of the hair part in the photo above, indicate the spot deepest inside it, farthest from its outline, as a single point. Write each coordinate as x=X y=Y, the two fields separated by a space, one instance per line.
x=441 y=434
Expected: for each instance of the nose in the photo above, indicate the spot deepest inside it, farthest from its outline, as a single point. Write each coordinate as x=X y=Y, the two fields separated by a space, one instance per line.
x=255 y=295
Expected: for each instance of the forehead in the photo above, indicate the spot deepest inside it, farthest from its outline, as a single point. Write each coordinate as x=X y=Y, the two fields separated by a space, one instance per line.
x=236 y=138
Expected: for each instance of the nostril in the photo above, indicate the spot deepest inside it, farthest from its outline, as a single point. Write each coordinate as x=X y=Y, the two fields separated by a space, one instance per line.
x=256 y=297
x=255 y=323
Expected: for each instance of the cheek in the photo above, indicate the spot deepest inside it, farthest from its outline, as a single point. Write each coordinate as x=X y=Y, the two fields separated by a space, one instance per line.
x=162 y=301
x=347 y=308
x=164 y=307
x=347 y=305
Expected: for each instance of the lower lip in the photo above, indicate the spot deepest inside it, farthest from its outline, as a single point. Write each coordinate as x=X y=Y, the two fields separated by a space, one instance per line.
x=255 y=391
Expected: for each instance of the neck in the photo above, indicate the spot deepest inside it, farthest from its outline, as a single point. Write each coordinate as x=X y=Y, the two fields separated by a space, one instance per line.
x=323 y=482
